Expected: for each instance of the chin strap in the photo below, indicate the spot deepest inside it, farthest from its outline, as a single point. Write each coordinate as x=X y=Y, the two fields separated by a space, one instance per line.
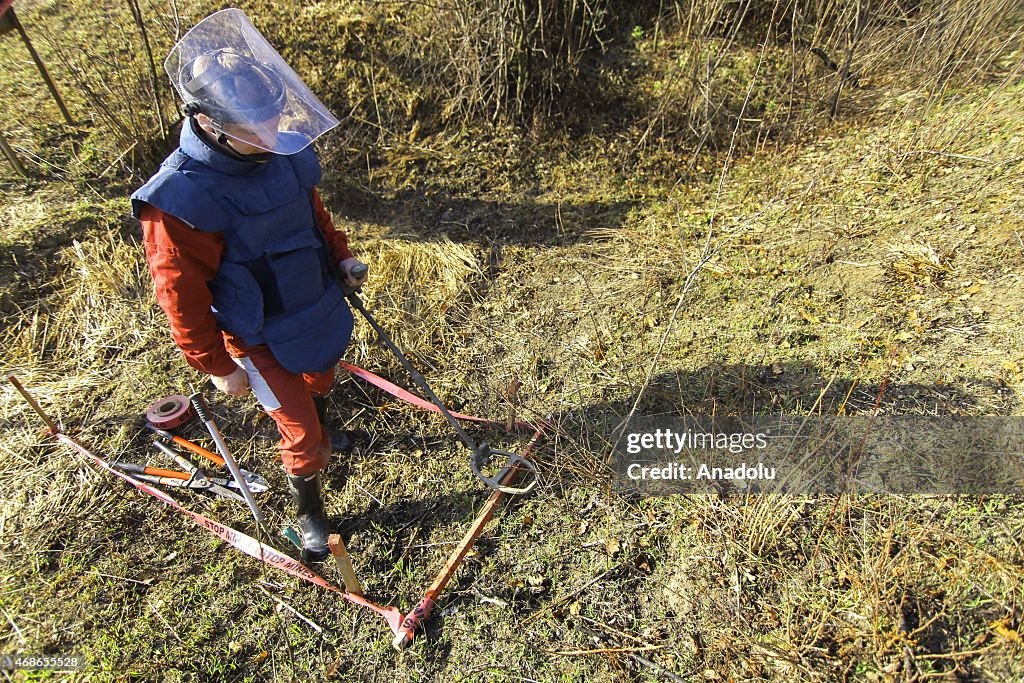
x=224 y=141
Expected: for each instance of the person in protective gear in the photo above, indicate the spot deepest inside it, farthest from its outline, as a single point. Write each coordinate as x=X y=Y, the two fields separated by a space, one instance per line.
x=243 y=253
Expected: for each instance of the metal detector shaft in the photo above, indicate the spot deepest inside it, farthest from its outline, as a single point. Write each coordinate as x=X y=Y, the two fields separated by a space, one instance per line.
x=357 y=303
x=478 y=454
x=200 y=405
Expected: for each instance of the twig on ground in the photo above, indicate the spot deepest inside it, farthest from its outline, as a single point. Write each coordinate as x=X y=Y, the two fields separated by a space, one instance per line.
x=493 y=601
x=316 y=627
x=13 y=625
x=165 y=622
x=122 y=578
x=940 y=153
x=610 y=629
x=372 y=497
x=604 y=650
x=533 y=617
x=658 y=668
x=632 y=653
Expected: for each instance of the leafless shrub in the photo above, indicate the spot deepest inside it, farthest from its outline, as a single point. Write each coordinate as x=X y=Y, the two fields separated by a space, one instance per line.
x=773 y=69
x=116 y=72
x=503 y=58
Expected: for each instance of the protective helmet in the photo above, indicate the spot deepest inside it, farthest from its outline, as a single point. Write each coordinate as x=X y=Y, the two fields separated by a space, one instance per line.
x=224 y=68
x=232 y=88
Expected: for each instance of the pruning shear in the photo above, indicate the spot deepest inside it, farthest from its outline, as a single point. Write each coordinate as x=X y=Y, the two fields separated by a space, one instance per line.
x=164 y=438
x=192 y=478
x=157 y=475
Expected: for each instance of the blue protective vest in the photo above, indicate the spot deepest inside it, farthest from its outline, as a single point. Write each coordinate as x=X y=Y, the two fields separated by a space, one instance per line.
x=275 y=283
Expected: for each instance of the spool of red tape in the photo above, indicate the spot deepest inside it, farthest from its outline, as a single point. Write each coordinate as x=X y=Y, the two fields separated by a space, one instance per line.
x=169 y=412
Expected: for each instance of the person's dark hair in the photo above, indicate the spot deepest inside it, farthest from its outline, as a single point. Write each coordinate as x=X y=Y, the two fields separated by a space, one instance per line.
x=232 y=88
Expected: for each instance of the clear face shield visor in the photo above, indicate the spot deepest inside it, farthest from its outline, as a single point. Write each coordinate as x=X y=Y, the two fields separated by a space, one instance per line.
x=265 y=135
x=224 y=68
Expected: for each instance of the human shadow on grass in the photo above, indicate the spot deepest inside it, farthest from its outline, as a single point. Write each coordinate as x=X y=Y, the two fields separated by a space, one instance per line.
x=424 y=215
x=590 y=434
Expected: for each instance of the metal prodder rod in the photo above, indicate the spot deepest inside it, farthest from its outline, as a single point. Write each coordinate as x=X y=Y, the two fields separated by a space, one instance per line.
x=199 y=403
x=477 y=453
x=353 y=297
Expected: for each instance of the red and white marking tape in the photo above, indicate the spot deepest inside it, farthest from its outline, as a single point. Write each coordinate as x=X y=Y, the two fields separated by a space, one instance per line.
x=247 y=544
x=254 y=548
x=413 y=399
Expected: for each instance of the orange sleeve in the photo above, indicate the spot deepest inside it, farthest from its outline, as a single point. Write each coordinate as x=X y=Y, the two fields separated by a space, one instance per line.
x=182 y=260
x=337 y=240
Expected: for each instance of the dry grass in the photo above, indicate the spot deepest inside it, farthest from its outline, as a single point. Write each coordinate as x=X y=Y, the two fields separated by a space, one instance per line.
x=419 y=287
x=557 y=306
x=776 y=72
x=916 y=264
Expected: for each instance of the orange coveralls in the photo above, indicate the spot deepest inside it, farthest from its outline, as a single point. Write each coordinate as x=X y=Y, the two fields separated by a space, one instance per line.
x=182 y=260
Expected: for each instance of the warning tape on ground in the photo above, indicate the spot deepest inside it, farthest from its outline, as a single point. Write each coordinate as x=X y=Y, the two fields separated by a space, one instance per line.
x=247 y=544
x=254 y=548
x=408 y=397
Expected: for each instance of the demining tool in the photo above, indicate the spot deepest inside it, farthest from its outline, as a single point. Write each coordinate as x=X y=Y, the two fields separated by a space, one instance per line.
x=185 y=477
x=198 y=474
x=253 y=480
x=156 y=475
x=403 y=628
x=424 y=608
x=481 y=455
x=199 y=403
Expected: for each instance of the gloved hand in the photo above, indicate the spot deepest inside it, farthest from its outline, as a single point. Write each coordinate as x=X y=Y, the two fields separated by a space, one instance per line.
x=235 y=384
x=346 y=266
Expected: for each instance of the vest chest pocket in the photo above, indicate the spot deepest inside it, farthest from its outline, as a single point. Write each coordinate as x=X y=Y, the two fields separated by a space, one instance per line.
x=272 y=205
x=296 y=265
x=271 y=189
x=237 y=300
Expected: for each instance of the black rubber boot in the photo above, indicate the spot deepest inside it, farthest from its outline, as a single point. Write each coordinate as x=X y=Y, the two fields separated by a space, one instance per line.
x=305 y=490
x=341 y=442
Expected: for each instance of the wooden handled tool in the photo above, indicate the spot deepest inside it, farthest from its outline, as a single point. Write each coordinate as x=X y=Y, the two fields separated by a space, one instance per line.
x=152 y=471
x=186 y=444
x=254 y=481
